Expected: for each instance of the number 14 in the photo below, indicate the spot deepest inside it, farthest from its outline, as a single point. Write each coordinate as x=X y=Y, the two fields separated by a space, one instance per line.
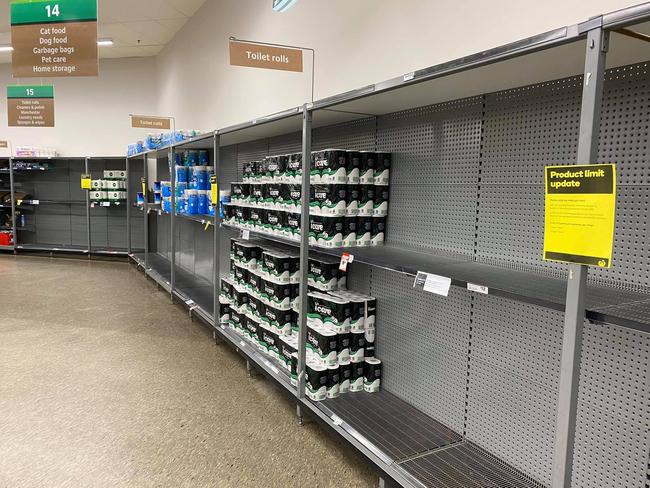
x=52 y=11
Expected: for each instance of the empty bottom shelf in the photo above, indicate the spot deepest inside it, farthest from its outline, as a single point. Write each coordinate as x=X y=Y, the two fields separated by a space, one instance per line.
x=465 y=465
x=396 y=428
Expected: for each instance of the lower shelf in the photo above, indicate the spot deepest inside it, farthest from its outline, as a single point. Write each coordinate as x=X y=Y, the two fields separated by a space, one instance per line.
x=465 y=465
x=52 y=248
x=395 y=427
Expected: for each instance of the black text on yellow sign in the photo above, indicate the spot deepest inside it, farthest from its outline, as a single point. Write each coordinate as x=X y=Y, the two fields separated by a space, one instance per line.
x=214 y=191
x=580 y=214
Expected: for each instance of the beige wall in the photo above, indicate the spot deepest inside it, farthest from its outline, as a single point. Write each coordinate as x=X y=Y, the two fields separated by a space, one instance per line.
x=357 y=42
x=91 y=113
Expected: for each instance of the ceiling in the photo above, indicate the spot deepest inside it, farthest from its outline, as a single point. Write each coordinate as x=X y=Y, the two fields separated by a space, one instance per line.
x=137 y=27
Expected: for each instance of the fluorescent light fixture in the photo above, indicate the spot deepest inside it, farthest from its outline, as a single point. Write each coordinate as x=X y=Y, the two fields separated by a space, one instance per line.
x=6 y=48
x=283 y=5
x=104 y=42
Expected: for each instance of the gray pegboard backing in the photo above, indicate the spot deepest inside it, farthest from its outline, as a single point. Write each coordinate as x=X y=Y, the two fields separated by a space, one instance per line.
x=434 y=175
x=359 y=277
x=422 y=340
x=624 y=141
x=360 y=135
x=285 y=144
x=434 y=145
x=438 y=217
x=530 y=127
x=228 y=171
x=612 y=432
x=513 y=381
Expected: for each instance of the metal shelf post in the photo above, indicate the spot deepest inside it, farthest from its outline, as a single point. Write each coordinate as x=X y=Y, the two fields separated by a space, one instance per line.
x=574 y=316
x=304 y=248
x=172 y=223
x=88 y=233
x=128 y=206
x=12 y=190
x=146 y=213
x=216 y=267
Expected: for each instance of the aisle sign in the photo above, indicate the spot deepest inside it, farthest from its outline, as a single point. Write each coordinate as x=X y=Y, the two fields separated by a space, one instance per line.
x=54 y=38
x=269 y=57
x=30 y=106
x=86 y=182
x=147 y=122
x=580 y=214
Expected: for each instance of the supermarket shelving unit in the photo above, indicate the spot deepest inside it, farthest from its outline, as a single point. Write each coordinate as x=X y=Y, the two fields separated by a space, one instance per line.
x=57 y=217
x=6 y=208
x=539 y=378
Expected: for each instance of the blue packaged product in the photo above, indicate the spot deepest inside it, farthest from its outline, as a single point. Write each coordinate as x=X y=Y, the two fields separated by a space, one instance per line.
x=211 y=211
x=178 y=159
x=181 y=174
x=203 y=178
x=181 y=188
x=140 y=198
x=203 y=204
x=166 y=188
x=191 y=158
x=181 y=204
x=167 y=204
x=204 y=158
x=192 y=202
x=157 y=198
x=156 y=186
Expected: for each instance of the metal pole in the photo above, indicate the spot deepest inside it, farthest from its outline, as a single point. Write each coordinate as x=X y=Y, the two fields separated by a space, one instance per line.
x=574 y=316
x=145 y=208
x=216 y=267
x=128 y=206
x=87 y=171
x=304 y=248
x=12 y=189
x=172 y=226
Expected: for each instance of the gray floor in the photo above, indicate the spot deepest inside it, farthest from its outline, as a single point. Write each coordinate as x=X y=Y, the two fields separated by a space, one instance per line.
x=104 y=383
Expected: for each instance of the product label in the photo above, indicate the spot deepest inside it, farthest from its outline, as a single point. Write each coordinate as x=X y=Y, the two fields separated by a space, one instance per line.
x=432 y=283
x=478 y=288
x=580 y=214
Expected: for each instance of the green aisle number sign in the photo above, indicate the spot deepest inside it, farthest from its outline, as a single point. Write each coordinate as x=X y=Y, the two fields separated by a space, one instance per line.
x=54 y=38
x=30 y=106
x=580 y=214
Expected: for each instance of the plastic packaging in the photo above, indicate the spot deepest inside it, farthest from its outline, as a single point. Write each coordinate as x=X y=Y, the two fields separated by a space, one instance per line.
x=203 y=201
x=192 y=202
x=181 y=174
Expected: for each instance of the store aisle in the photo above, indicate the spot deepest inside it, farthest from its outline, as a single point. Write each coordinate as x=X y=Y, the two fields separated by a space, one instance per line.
x=103 y=382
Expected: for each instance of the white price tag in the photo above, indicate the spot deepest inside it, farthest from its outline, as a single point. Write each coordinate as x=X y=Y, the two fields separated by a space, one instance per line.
x=346 y=258
x=106 y=204
x=409 y=76
x=439 y=285
x=189 y=303
x=478 y=288
x=246 y=234
x=336 y=420
x=36 y=202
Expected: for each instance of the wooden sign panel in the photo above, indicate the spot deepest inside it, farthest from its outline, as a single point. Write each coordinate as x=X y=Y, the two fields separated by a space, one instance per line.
x=54 y=38
x=267 y=57
x=145 y=122
x=30 y=106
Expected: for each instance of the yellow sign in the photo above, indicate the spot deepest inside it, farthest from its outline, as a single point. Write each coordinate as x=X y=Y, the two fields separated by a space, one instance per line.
x=580 y=214
x=144 y=187
x=214 y=191
x=85 y=182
